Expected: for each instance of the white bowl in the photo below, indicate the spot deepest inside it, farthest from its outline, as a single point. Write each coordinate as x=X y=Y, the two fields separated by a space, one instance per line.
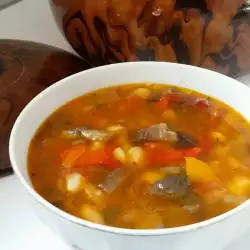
x=214 y=233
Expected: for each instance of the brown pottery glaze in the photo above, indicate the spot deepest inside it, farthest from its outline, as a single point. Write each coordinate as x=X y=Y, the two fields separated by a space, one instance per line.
x=213 y=34
x=27 y=68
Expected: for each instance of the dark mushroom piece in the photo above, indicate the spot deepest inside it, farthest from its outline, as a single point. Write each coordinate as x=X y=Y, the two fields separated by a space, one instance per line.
x=87 y=133
x=161 y=132
x=173 y=186
x=156 y=132
x=185 y=140
x=112 y=180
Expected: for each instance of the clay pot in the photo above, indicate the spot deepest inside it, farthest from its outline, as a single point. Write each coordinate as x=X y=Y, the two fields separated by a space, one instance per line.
x=214 y=34
x=27 y=68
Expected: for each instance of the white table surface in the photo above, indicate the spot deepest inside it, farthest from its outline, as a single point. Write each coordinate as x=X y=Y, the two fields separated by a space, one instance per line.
x=20 y=229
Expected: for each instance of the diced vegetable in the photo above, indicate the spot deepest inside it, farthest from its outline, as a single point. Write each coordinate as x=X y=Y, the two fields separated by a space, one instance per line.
x=120 y=155
x=99 y=157
x=151 y=177
x=113 y=179
x=161 y=132
x=156 y=132
x=74 y=182
x=93 y=157
x=240 y=185
x=160 y=157
x=71 y=155
x=192 y=152
x=185 y=140
x=136 y=156
x=199 y=171
x=92 y=214
x=160 y=154
x=175 y=97
x=218 y=137
x=142 y=92
x=202 y=102
x=172 y=186
x=193 y=208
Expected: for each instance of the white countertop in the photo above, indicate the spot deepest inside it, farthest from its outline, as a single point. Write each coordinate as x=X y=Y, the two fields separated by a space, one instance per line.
x=20 y=229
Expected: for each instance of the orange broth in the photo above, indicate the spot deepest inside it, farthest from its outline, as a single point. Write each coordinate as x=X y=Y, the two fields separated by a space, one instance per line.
x=142 y=156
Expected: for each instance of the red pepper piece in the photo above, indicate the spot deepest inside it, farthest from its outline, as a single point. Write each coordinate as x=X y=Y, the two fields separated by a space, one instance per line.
x=159 y=154
x=175 y=97
x=99 y=157
x=131 y=103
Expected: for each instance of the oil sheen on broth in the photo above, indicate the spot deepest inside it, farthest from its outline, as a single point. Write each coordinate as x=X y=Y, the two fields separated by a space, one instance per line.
x=142 y=156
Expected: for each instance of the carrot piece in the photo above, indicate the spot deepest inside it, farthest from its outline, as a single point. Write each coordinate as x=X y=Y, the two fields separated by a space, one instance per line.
x=71 y=155
x=131 y=103
x=92 y=157
x=103 y=156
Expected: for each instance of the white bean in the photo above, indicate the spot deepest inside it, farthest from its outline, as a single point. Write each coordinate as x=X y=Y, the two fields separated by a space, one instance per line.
x=142 y=92
x=136 y=155
x=120 y=155
x=192 y=208
x=73 y=182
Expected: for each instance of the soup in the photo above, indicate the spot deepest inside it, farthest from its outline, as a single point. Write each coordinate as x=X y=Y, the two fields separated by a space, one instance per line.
x=142 y=156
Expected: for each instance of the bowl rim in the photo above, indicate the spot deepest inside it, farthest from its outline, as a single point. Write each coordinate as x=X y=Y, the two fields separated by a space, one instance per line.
x=103 y=228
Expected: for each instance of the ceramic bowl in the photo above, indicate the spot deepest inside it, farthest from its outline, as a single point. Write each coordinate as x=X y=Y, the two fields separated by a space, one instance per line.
x=213 y=234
